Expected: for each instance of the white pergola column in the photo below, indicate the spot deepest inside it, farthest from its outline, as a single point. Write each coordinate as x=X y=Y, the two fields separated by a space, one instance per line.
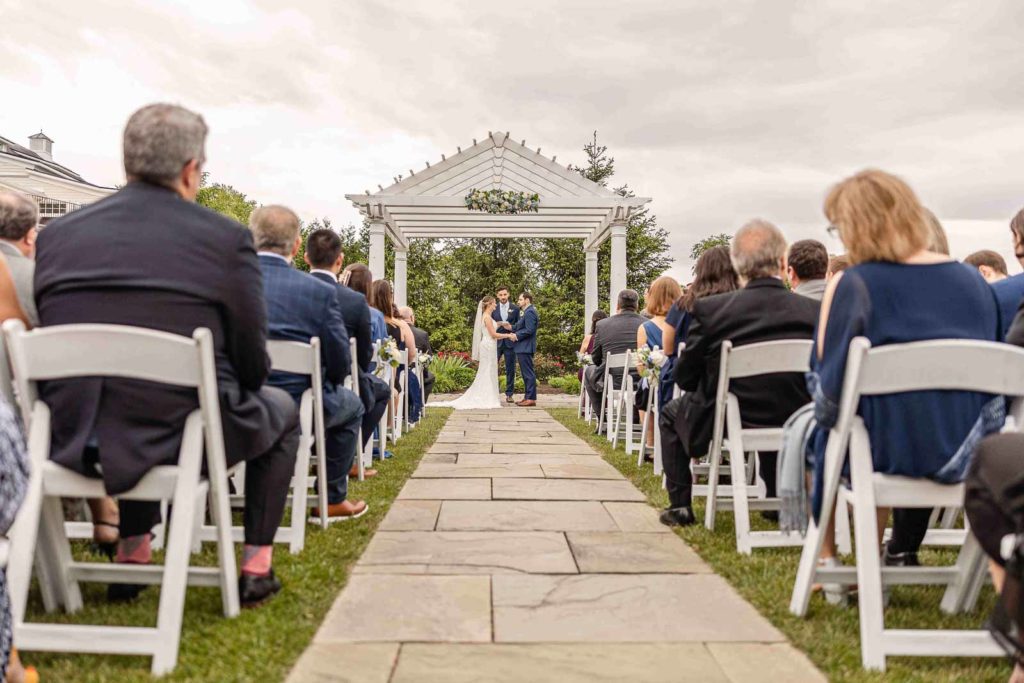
x=376 y=264
x=401 y=275
x=590 y=298
x=618 y=265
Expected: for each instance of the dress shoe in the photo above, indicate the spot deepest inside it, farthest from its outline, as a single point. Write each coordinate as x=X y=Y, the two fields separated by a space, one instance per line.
x=677 y=516
x=339 y=512
x=509 y=399
x=526 y=403
x=907 y=559
x=123 y=592
x=255 y=590
x=367 y=473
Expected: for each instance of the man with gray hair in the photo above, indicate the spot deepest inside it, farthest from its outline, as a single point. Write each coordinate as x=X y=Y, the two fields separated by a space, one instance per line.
x=19 y=218
x=148 y=256
x=613 y=335
x=422 y=346
x=764 y=310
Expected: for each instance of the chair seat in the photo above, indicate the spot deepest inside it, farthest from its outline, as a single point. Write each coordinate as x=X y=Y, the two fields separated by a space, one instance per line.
x=767 y=439
x=60 y=481
x=893 y=490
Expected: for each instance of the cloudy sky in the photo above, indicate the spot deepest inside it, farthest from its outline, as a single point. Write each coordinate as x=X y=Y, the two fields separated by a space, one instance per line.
x=719 y=110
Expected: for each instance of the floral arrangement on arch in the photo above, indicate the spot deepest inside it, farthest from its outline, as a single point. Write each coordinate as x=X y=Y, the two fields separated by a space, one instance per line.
x=650 y=362
x=502 y=201
x=388 y=356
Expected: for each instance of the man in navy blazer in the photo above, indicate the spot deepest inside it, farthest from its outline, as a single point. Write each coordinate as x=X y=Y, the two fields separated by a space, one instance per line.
x=326 y=259
x=524 y=338
x=300 y=307
x=506 y=316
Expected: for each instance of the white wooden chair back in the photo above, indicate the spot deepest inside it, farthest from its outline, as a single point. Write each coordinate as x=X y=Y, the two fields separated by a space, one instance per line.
x=610 y=396
x=954 y=365
x=750 y=360
x=624 y=422
x=70 y=351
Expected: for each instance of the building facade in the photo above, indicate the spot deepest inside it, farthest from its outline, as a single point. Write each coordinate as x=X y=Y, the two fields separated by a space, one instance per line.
x=57 y=189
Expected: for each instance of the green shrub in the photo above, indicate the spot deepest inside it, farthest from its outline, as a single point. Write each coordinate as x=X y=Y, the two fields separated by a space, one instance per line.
x=568 y=384
x=452 y=373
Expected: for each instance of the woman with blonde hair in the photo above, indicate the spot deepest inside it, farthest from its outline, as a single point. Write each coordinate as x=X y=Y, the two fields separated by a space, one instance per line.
x=898 y=290
x=660 y=297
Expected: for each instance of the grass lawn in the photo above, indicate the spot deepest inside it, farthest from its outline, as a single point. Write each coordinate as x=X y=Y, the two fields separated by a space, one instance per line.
x=261 y=644
x=829 y=635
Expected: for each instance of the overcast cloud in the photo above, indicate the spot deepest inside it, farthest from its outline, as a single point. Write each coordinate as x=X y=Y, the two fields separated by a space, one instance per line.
x=720 y=111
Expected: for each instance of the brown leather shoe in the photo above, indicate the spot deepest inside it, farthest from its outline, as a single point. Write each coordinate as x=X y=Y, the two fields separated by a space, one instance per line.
x=367 y=473
x=526 y=403
x=338 y=512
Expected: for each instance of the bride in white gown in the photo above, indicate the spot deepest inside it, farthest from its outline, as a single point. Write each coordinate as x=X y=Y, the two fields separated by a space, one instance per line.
x=484 y=392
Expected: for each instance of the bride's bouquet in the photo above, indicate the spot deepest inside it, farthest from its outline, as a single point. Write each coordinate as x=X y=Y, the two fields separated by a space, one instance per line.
x=650 y=361
x=387 y=357
x=584 y=359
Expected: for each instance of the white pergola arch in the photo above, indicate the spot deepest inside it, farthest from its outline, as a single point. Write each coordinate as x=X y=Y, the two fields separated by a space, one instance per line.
x=431 y=203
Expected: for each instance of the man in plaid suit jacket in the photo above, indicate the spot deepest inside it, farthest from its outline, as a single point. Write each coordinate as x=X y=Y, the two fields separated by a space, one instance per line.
x=300 y=307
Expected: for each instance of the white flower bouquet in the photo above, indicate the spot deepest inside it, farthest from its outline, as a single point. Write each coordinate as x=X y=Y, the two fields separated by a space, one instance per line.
x=651 y=361
x=387 y=356
x=424 y=359
x=584 y=359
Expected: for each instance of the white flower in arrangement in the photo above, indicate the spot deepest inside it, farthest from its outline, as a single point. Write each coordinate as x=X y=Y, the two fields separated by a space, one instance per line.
x=424 y=359
x=650 y=362
x=658 y=357
x=584 y=359
x=387 y=356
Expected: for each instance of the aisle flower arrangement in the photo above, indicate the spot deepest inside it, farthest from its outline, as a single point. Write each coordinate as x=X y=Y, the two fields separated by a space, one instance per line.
x=387 y=357
x=502 y=201
x=650 y=362
x=584 y=359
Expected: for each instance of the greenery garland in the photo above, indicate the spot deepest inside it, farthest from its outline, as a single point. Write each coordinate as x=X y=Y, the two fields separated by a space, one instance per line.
x=502 y=201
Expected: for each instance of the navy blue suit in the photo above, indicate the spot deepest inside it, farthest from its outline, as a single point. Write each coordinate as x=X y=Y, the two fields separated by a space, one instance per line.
x=525 y=346
x=505 y=349
x=355 y=312
x=300 y=307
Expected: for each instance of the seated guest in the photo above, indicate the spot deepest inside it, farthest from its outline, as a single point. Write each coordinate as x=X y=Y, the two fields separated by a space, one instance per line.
x=1010 y=291
x=923 y=434
x=613 y=335
x=300 y=307
x=660 y=297
x=587 y=346
x=325 y=258
x=19 y=218
x=807 y=268
x=764 y=310
x=990 y=264
x=120 y=429
x=837 y=264
x=383 y=299
x=358 y=278
x=937 y=241
x=422 y=346
x=713 y=274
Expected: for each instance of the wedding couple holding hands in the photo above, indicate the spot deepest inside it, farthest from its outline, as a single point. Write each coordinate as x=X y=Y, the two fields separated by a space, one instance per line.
x=501 y=330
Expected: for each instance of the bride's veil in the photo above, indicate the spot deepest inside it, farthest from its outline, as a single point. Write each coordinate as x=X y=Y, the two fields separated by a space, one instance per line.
x=478 y=331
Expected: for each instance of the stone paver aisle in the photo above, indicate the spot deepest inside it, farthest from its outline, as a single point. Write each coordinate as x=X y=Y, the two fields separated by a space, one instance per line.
x=516 y=553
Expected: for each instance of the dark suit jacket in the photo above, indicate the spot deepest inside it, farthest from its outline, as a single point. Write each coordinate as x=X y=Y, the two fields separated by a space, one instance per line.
x=762 y=311
x=422 y=340
x=356 y=314
x=146 y=257
x=513 y=319
x=616 y=334
x=300 y=307
x=525 y=330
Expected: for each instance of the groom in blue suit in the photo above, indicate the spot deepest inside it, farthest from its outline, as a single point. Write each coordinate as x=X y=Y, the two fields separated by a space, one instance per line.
x=506 y=316
x=524 y=336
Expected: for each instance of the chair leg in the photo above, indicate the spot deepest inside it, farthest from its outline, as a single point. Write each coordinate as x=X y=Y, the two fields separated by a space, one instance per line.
x=711 y=502
x=970 y=563
x=43 y=567
x=300 y=493
x=627 y=407
x=805 y=573
x=844 y=543
x=220 y=510
x=58 y=548
x=740 y=507
x=659 y=465
x=869 y=565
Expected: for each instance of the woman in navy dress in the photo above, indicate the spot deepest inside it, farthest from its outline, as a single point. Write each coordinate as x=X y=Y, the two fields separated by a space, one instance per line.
x=660 y=298
x=899 y=291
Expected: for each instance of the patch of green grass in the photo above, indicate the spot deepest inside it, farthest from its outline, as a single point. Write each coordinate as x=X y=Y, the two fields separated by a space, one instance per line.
x=829 y=635
x=261 y=644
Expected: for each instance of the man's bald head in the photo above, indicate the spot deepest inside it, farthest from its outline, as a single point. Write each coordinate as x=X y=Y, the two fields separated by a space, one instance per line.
x=407 y=314
x=19 y=217
x=275 y=229
x=758 y=250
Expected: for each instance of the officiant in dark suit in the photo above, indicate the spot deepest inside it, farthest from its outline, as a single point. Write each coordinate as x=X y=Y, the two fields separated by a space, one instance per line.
x=506 y=315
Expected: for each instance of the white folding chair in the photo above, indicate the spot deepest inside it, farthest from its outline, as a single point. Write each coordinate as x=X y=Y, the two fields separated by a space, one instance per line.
x=402 y=414
x=421 y=375
x=957 y=365
x=610 y=395
x=625 y=425
x=299 y=359
x=67 y=351
x=790 y=355
x=352 y=383
x=651 y=418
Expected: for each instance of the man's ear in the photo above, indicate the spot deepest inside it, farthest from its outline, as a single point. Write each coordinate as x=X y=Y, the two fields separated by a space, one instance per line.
x=305 y=257
x=296 y=245
x=339 y=262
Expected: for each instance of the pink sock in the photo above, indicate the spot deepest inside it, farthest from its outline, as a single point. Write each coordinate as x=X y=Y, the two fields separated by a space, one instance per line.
x=256 y=559
x=135 y=549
